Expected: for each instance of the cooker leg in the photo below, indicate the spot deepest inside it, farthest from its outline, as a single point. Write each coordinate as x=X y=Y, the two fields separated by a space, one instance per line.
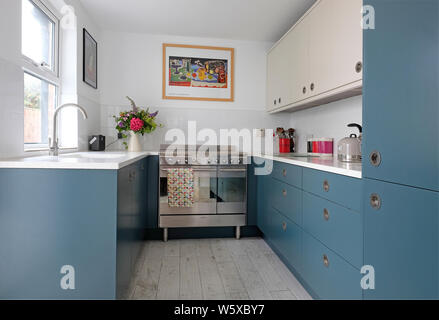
x=238 y=232
x=165 y=234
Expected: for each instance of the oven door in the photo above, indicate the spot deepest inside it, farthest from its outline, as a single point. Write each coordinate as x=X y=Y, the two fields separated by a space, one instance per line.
x=232 y=190
x=205 y=191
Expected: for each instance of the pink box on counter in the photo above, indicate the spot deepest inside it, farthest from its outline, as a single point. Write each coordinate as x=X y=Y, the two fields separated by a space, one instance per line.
x=326 y=146
x=321 y=146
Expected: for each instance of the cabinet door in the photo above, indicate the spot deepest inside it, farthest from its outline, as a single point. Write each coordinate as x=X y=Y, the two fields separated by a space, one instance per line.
x=273 y=78
x=298 y=54
x=263 y=203
x=284 y=74
x=287 y=238
x=335 y=44
x=401 y=241
x=279 y=74
x=328 y=274
x=400 y=101
x=125 y=209
x=152 y=201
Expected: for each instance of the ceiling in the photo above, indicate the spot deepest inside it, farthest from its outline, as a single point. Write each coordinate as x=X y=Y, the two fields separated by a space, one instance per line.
x=258 y=20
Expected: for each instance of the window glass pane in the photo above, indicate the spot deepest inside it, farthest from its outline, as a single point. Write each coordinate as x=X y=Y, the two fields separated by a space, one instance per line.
x=37 y=34
x=39 y=105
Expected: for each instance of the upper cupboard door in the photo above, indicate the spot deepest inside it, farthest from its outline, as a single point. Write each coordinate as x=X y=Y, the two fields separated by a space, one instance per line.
x=400 y=94
x=274 y=77
x=271 y=60
x=297 y=41
x=336 y=44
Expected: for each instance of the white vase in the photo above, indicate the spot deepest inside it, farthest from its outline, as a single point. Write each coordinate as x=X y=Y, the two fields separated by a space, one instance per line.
x=134 y=143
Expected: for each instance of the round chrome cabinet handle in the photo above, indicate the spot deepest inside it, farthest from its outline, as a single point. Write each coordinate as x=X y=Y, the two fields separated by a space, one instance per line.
x=326 y=214
x=326 y=186
x=284 y=172
x=325 y=260
x=375 y=158
x=375 y=201
x=284 y=226
x=284 y=193
x=359 y=67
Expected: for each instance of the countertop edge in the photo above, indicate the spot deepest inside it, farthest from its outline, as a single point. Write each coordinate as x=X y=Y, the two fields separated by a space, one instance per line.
x=327 y=168
x=11 y=164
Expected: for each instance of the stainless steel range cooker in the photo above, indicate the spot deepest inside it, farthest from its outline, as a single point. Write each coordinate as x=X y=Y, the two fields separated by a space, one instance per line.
x=219 y=188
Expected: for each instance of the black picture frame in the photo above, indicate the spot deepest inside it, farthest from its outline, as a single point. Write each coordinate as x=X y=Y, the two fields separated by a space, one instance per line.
x=89 y=43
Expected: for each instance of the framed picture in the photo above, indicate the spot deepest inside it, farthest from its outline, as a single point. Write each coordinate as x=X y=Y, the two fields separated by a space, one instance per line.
x=90 y=60
x=197 y=73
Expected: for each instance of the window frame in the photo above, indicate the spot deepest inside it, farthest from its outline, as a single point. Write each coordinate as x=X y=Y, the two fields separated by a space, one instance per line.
x=44 y=73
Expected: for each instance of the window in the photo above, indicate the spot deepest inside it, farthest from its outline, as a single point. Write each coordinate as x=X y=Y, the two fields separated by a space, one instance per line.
x=41 y=79
x=40 y=99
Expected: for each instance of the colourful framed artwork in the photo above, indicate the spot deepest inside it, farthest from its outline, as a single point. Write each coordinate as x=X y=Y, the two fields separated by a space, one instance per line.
x=90 y=60
x=197 y=72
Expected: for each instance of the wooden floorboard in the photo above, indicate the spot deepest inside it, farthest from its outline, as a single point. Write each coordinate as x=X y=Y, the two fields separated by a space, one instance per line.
x=213 y=269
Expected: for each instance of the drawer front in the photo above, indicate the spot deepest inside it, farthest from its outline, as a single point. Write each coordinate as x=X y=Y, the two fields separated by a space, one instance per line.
x=288 y=173
x=287 y=238
x=287 y=200
x=343 y=190
x=329 y=275
x=337 y=227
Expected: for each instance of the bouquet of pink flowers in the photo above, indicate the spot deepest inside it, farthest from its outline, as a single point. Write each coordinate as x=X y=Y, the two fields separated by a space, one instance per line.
x=137 y=120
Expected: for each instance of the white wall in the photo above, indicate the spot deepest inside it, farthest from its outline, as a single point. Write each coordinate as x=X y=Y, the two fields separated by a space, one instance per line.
x=131 y=64
x=87 y=97
x=327 y=121
x=11 y=80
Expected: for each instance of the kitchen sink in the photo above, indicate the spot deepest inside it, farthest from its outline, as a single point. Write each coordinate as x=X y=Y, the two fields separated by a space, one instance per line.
x=90 y=155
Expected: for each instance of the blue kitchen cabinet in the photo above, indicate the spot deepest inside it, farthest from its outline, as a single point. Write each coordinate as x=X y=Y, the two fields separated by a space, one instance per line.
x=328 y=274
x=400 y=148
x=152 y=196
x=339 y=228
x=90 y=220
x=400 y=93
x=51 y=218
x=401 y=240
x=287 y=238
x=287 y=173
x=125 y=237
x=252 y=192
x=343 y=190
x=287 y=200
x=131 y=221
x=307 y=224
x=263 y=204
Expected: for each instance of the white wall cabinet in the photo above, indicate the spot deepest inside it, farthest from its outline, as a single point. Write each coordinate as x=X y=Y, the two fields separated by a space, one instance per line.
x=319 y=60
x=278 y=62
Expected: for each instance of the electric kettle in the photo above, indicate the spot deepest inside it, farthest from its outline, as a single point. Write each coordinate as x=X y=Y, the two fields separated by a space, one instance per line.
x=349 y=149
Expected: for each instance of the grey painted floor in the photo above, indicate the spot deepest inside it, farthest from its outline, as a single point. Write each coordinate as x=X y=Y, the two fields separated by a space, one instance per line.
x=212 y=269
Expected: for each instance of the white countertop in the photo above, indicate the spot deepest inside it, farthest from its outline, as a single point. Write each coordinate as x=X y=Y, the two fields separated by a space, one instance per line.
x=328 y=164
x=77 y=160
x=117 y=160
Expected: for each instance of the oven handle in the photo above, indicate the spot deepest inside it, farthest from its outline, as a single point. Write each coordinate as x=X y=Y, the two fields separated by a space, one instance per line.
x=233 y=170
x=195 y=169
